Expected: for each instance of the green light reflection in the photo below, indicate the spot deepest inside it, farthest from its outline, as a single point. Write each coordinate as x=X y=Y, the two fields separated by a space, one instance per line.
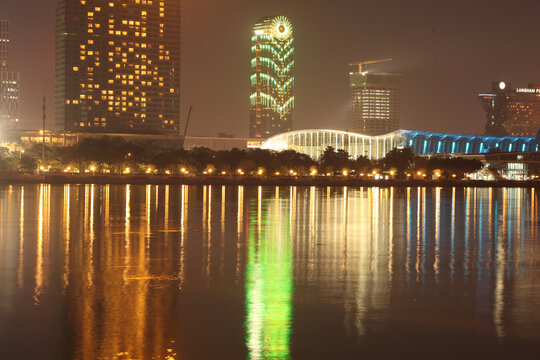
x=269 y=281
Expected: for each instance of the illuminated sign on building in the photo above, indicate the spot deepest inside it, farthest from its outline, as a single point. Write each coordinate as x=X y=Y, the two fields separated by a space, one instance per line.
x=254 y=144
x=527 y=90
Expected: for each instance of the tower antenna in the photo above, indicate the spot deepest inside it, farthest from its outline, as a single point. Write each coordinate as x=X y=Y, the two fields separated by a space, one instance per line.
x=43 y=133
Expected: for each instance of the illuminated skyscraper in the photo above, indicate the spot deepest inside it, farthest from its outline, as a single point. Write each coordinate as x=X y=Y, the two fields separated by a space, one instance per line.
x=511 y=112
x=9 y=82
x=375 y=100
x=118 y=66
x=272 y=80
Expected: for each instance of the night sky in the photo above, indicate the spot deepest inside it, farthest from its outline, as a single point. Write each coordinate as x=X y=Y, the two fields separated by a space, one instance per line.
x=448 y=51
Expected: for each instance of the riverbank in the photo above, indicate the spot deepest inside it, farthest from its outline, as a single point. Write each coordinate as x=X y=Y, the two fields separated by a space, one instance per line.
x=18 y=178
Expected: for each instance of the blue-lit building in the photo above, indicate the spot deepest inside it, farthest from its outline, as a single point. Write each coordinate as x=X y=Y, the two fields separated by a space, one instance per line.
x=314 y=141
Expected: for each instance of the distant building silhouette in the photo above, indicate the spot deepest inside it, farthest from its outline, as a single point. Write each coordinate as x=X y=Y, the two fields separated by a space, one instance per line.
x=117 y=66
x=272 y=79
x=511 y=112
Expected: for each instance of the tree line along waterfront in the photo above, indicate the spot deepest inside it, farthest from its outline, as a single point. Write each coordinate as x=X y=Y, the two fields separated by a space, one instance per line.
x=115 y=155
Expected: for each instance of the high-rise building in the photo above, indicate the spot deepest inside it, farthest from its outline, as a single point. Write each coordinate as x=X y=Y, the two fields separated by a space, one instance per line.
x=118 y=66
x=511 y=112
x=9 y=82
x=4 y=45
x=375 y=100
x=272 y=79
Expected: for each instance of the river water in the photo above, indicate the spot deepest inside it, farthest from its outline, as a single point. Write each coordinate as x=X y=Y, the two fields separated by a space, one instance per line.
x=212 y=272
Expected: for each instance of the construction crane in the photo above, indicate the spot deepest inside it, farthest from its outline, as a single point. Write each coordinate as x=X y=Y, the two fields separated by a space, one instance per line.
x=362 y=64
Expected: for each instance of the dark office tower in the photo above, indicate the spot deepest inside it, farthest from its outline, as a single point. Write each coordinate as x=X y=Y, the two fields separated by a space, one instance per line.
x=4 y=45
x=118 y=66
x=272 y=80
x=9 y=83
x=511 y=112
x=375 y=100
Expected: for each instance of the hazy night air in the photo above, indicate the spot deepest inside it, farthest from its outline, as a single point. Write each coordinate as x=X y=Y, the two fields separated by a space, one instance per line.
x=447 y=53
x=269 y=179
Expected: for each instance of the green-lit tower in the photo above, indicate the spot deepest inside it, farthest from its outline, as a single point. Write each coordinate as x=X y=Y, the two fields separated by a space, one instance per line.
x=272 y=80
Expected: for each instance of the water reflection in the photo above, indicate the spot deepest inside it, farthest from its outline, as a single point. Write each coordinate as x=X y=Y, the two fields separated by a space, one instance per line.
x=269 y=279
x=139 y=272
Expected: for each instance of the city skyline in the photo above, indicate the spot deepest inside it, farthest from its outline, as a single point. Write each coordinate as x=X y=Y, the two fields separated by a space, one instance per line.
x=434 y=54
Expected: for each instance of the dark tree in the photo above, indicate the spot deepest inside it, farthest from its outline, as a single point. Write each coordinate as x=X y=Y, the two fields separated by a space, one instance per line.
x=332 y=160
x=399 y=159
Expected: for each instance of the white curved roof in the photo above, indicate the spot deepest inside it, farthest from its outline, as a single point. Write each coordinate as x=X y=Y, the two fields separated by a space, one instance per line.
x=279 y=142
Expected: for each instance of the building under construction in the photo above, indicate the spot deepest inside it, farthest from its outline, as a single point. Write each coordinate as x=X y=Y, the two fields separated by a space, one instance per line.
x=375 y=100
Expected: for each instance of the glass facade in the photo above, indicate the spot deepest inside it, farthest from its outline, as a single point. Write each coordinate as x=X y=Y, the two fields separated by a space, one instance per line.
x=9 y=82
x=118 y=66
x=272 y=79
x=313 y=143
